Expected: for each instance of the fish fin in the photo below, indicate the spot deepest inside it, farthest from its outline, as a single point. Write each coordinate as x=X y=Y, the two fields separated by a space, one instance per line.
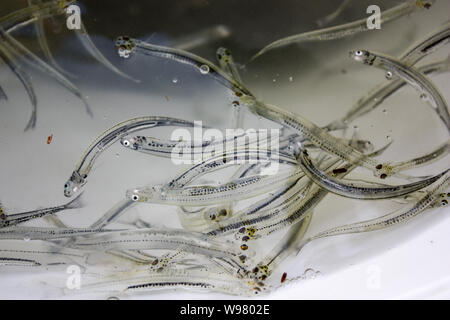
x=43 y=43
x=87 y=42
x=25 y=79
x=35 y=62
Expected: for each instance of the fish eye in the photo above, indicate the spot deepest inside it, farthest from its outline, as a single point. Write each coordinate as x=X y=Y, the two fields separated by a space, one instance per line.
x=135 y=197
x=67 y=185
x=126 y=143
x=359 y=53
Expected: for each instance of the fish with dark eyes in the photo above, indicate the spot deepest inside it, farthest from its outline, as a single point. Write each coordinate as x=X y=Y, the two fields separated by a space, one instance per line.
x=431 y=197
x=423 y=85
x=359 y=191
x=8 y=220
x=350 y=28
x=374 y=98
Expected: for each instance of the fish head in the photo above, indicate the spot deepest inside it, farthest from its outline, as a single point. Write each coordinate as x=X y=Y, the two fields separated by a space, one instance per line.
x=74 y=184
x=125 y=46
x=362 y=56
x=223 y=54
x=147 y=194
x=132 y=142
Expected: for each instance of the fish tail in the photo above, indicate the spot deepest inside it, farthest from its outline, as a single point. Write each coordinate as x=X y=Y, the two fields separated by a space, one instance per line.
x=3 y=95
x=32 y=122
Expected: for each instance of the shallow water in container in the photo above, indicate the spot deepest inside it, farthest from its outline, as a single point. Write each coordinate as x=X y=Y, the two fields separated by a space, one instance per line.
x=317 y=80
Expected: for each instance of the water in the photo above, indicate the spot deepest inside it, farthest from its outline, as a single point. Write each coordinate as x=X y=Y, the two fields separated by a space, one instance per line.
x=316 y=80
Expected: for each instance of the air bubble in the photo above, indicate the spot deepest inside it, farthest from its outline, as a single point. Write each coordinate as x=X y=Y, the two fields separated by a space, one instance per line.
x=291 y=79
x=174 y=80
x=309 y=274
x=204 y=69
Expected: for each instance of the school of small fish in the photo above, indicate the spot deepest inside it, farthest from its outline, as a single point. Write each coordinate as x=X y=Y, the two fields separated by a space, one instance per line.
x=218 y=249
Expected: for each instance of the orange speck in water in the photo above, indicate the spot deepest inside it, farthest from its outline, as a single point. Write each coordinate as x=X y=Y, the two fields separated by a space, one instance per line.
x=49 y=139
x=283 y=277
x=167 y=98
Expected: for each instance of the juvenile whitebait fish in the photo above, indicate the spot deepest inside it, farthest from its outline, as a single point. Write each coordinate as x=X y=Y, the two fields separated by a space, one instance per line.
x=347 y=29
x=35 y=62
x=165 y=148
x=426 y=46
x=335 y=14
x=295 y=211
x=380 y=93
x=18 y=262
x=198 y=221
x=126 y=46
x=175 y=279
x=304 y=127
x=192 y=221
x=286 y=247
x=417 y=80
x=26 y=82
x=200 y=38
x=226 y=159
x=441 y=201
x=157 y=239
x=38 y=11
x=215 y=227
x=38 y=233
x=239 y=189
x=30 y=14
x=357 y=191
x=282 y=203
x=42 y=39
x=431 y=194
x=247 y=221
x=391 y=168
x=284 y=216
x=314 y=134
x=78 y=178
x=222 y=217
x=226 y=62
x=113 y=214
x=16 y=218
x=84 y=38
x=43 y=253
